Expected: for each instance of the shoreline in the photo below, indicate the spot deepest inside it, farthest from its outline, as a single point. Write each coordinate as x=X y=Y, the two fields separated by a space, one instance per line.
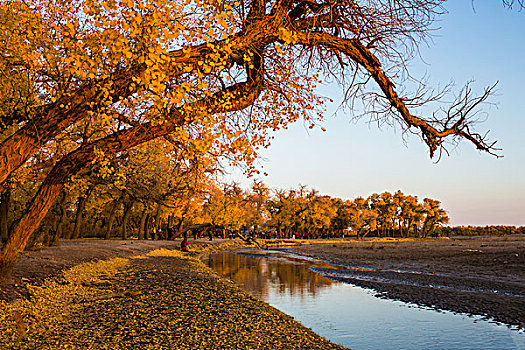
x=142 y=297
x=480 y=277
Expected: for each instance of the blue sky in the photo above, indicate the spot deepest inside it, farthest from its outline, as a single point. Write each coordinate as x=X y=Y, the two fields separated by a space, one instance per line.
x=355 y=159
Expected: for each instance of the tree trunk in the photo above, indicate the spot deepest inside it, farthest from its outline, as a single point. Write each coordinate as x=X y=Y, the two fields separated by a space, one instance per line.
x=158 y=217
x=111 y=219
x=81 y=204
x=156 y=224
x=49 y=238
x=69 y=165
x=148 y=226
x=24 y=228
x=61 y=222
x=57 y=222
x=79 y=220
x=142 y=228
x=4 y=211
x=127 y=211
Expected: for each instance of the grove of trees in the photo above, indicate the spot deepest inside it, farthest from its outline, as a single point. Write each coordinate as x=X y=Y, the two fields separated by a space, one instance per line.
x=86 y=82
x=141 y=203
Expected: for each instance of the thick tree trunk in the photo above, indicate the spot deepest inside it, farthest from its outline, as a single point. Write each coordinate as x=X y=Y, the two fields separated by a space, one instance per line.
x=127 y=211
x=104 y=218
x=81 y=205
x=24 y=228
x=5 y=198
x=109 y=228
x=78 y=230
x=142 y=228
x=59 y=229
x=60 y=224
x=51 y=233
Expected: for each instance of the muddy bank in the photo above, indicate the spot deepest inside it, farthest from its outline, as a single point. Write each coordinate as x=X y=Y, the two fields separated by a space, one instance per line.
x=163 y=300
x=477 y=276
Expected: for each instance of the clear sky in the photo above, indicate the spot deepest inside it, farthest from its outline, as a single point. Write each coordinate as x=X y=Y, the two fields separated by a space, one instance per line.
x=485 y=44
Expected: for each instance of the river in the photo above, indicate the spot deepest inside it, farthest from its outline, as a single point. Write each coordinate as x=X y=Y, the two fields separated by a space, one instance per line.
x=353 y=316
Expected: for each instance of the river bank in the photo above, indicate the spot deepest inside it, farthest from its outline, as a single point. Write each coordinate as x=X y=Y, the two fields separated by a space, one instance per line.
x=478 y=276
x=129 y=294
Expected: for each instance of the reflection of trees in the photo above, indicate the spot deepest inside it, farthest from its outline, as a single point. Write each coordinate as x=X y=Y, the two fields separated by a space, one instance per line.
x=258 y=275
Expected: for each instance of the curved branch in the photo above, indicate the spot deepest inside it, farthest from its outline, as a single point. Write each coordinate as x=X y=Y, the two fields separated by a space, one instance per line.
x=360 y=54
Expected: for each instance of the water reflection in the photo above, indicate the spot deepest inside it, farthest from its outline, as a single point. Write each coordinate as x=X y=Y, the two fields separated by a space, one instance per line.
x=258 y=276
x=350 y=315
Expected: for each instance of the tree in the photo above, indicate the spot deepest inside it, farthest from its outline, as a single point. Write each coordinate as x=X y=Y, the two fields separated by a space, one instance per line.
x=363 y=219
x=433 y=215
x=220 y=75
x=225 y=207
x=255 y=206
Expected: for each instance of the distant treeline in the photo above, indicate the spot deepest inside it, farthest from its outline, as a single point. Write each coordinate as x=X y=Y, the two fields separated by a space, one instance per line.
x=481 y=230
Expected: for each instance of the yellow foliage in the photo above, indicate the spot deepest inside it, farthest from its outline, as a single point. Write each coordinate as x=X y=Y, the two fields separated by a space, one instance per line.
x=52 y=302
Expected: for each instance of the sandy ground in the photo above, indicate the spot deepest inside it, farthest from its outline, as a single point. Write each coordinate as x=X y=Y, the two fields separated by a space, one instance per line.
x=477 y=276
x=35 y=266
x=165 y=300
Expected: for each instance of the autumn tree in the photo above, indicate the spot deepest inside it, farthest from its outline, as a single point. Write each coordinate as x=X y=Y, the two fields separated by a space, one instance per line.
x=288 y=210
x=256 y=211
x=225 y=207
x=397 y=214
x=221 y=75
x=363 y=219
x=432 y=216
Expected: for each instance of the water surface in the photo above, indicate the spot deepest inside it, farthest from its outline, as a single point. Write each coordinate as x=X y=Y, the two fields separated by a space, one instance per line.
x=353 y=316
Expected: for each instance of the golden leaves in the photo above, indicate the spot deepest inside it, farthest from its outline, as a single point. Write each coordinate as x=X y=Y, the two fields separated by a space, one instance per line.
x=177 y=54
x=287 y=35
x=163 y=301
x=22 y=323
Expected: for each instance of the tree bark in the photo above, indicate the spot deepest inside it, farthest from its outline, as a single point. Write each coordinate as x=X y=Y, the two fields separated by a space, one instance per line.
x=24 y=228
x=111 y=219
x=127 y=211
x=157 y=221
x=49 y=236
x=81 y=206
x=142 y=228
x=148 y=226
x=59 y=230
x=5 y=198
x=53 y=230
